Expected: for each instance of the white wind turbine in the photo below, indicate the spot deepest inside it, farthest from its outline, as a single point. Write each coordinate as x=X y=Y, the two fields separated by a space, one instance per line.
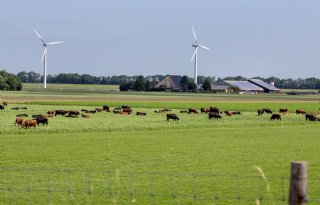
x=45 y=56
x=195 y=56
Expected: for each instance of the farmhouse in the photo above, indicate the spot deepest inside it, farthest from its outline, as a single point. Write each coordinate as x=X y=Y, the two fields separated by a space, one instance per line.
x=268 y=88
x=221 y=87
x=245 y=86
x=171 y=82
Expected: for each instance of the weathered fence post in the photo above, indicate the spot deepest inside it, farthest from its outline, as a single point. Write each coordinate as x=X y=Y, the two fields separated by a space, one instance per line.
x=298 y=184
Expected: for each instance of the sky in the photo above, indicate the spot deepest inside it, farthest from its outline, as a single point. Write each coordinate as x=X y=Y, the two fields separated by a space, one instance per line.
x=142 y=37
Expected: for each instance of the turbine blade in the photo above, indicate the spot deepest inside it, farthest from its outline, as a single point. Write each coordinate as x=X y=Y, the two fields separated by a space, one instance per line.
x=39 y=36
x=194 y=54
x=194 y=34
x=57 y=42
x=201 y=46
x=44 y=53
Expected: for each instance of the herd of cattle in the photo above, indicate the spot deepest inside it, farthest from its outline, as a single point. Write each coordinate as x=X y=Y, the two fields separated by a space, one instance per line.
x=212 y=112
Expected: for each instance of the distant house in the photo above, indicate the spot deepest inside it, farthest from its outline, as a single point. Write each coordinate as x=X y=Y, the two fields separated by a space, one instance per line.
x=171 y=82
x=245 y=86
x=220 y=87
x=268 y=88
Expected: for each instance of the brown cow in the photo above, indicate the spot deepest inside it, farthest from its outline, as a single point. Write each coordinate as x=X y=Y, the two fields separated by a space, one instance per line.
x=300 y=111
x=204 y=110
x=192 y=111
x=5 y=103
x=19 y=121
x=98 y=109
x=29 y=123
x=73 y=113
x=50 y=112
x=228 y=113
x=126 y=110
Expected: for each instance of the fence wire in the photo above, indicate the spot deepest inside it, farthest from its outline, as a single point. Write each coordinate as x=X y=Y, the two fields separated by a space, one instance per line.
x=78 y=186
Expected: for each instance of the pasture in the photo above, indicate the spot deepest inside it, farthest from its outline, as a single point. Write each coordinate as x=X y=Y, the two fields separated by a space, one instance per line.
x=128 y=159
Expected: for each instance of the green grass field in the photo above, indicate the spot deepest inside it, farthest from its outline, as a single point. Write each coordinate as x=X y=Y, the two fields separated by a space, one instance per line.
x=129 y=159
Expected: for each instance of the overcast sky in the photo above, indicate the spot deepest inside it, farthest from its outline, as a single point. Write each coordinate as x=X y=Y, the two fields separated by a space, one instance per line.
x=112 y=37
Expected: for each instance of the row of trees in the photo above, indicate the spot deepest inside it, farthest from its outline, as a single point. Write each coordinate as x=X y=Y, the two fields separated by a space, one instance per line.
x=128 y=82
x=9 y=81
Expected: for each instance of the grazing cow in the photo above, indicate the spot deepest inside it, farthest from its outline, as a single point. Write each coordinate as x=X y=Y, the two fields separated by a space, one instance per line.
x=126 y=110
x=5 y=104
x=73 y=112
x=22 y=115
x=1 y=107
x=15 y=108
x=214 y=109
x=50 y=112
x=167 y=110
x=85 y=115
x=60 y=112
x=267 y=110
x=264 y=110
x=275 y=117
x=36 y=116
x=29 y=123
x=42 y=120
x=260 y=111
x=283 y=110
x=106 y=108
x=204 y=110
x=125 y=106
x=174 y=117
x=19 y=121
x=214 y=115
x=192 y=111
x=228 y=113
x=98 y=109
x=23 y=108
x=300 y=111
x=160 y=111
x=91 y=111
x=48 y=115
x=141 y=113
x=183 y=111
x=236 y=113
x=311 y=117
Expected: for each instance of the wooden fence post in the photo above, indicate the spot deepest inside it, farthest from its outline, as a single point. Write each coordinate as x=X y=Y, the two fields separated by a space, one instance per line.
x=298 y=184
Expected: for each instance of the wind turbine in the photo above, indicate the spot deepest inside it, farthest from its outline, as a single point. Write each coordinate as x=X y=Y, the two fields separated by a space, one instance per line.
x=45 y=56
x=195 y=56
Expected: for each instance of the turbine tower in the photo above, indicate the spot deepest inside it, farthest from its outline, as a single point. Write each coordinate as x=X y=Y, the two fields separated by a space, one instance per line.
x=195 y=56
x=44 y=58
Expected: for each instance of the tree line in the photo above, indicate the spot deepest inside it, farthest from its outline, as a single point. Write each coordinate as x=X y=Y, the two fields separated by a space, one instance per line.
x=9 y=81
x=140 y=82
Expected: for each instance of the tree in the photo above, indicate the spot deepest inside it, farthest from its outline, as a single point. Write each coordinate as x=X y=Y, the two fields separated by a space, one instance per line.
x=184 y=82
x=206 y=86
x=9 y=81
x=139 y=84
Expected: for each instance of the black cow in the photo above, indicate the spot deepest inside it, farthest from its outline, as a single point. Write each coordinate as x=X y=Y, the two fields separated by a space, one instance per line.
x=174 y=117
x=1 y=107
x=141 y=113
x=106 y=108
x=37 y=115
x=311 y=117
x=275 y=117
x=214 y=115
x=24 y=108
x=214 y=109
x=42 y=120
x=283 y=110
x=15 y=108
x=60 y=112
x=22 y=115
x=91 y=111
x=236 y=113
x=264 y=110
